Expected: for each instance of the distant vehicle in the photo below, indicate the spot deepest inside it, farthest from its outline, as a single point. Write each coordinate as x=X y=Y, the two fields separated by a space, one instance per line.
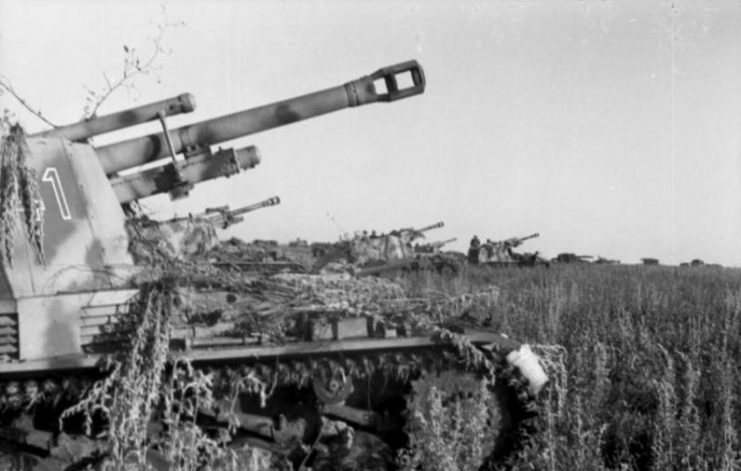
x=650 y=261
x=700 y=263
x=396 y=251
x=501 y=253
x=568 y=257
x=606 y=261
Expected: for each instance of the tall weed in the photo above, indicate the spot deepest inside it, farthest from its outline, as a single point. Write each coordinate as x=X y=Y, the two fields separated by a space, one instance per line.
x=651 y=370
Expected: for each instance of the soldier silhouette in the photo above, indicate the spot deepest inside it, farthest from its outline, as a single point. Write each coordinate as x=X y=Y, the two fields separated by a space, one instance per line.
x=473 y=251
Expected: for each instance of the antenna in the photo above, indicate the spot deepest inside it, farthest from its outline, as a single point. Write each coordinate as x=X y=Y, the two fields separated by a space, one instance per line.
x=331 y=218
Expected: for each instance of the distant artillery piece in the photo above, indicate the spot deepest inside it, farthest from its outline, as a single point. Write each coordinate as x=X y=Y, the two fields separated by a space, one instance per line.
x=700 y=263
x=517 y=241
x=393 y=252
x=396 y=245
x=500 y=253
x=193 y=236
x=568 y=257
x=224 y=217
x=694 y=263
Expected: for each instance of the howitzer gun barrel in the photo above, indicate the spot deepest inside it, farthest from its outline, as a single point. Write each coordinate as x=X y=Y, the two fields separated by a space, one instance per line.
x=438 y=244
x=437 y=225
x=262 y=204
x=528 y=237
x=226 y=217
x=519 y=240
x=134 y=152
x=223 y=163
x=184 y=103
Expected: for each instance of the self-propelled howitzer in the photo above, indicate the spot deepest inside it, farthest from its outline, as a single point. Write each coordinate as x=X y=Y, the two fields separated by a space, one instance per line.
x=500 y=253
x=517 y=241
x=86 y=241
x=59 y=319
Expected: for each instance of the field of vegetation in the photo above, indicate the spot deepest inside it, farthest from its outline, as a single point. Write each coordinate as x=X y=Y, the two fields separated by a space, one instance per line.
x=644 y=362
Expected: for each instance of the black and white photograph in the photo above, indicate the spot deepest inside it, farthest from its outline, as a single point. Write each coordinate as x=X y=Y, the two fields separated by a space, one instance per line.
x=410 y=235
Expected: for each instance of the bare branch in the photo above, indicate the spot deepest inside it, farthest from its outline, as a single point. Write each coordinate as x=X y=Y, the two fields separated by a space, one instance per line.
x=8 y=87
x=133 y=66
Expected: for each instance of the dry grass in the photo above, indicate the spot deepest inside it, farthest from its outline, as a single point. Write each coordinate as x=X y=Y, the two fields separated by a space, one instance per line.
x=450 y=435
x=652 y=362
x=644 y=366
x=20 y=202
x=145 y=388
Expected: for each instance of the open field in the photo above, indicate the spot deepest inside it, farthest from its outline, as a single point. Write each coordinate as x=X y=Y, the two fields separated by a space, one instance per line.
x=648 y=373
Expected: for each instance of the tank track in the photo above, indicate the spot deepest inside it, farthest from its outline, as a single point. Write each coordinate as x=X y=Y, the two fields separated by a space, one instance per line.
x=30 y=407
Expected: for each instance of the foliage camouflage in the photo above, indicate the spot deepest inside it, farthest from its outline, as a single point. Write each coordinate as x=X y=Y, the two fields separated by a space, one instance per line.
x=19 y=196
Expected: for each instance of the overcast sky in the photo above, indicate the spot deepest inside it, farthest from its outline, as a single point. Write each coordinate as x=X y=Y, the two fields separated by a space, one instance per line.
x=612 y=128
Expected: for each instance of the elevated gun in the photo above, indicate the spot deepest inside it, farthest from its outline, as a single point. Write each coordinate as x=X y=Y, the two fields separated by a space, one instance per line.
x=440 y=243
x=199 y=162
x=195 y=138
x=416 y=233
x=85 y=189
x=517 y=241
x=437 y=225
x=224 y=217
x=78 y=132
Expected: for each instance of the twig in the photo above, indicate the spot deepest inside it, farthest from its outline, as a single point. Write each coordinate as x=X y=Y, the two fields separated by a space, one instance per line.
x=302 y=466
x=7 y=86
x=133 y=66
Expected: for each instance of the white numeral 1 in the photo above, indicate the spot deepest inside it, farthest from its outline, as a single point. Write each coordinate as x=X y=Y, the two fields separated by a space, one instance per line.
x=51 y=176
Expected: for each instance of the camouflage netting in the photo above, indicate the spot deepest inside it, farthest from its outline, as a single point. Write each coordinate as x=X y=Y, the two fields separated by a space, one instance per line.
x=152 y=242
x=19 y=196
x=379 y=298
x=177 y=298
x=236 y=247
x=266 y=305
x=271 y=307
